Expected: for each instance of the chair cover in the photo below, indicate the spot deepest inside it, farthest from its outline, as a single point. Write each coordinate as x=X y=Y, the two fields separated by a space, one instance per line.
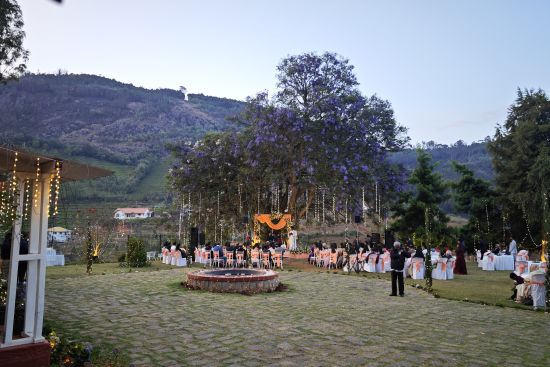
x=538 y=290
x=418 y=268
x=489 y=263
x=521 y=267
x=370 y=266
x=451 y=268
x=440 y=272
x=175 y=255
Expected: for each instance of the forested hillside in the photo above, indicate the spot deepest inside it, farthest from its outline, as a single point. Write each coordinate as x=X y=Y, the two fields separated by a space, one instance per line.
x=110 y=124
x=475 y=156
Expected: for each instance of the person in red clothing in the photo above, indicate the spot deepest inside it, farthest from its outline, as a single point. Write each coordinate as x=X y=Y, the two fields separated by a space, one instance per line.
x=460 y=265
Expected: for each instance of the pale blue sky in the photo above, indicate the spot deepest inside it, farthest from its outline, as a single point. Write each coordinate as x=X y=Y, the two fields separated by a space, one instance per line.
x=450 y=68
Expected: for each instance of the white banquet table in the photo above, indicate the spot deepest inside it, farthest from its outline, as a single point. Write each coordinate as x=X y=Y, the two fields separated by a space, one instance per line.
x=504 y=262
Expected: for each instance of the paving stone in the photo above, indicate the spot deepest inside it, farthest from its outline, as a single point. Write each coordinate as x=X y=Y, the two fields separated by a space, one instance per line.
x=324 y=319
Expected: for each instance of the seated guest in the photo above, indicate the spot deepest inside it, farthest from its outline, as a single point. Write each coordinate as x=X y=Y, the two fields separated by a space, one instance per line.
x=208 y=246
x=311 y=255
x=448 y=254
x=181 y=250
x=496 y=250
x=518 y=280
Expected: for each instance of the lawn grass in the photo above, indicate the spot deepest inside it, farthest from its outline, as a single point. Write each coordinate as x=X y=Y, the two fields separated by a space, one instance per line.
x=79 y=270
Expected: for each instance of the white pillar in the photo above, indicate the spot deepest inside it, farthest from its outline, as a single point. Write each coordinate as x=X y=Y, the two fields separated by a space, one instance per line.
x=14 y=262
x=42 y=246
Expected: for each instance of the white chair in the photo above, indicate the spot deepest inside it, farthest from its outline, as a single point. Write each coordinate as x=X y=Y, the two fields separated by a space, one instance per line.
x=489 y=262
x=384 y=263
x=151 y=255
x=182 y=261
x=451 y=268
x=440 y=272
x=174 y=256
x=370 y=265
x=538 y=290
x=522 y=267
x=418 y=268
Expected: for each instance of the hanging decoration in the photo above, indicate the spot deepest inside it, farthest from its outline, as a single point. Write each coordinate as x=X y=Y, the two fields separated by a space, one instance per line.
x=36 y=183
x=307 y=201
x=363 y=206
x=14 y=187
x=323 y=191
x=27 y=198
x=334 y=207
x=275 y=221
x=57 y=185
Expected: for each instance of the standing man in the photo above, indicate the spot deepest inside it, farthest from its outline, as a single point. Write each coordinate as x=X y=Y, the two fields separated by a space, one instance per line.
x=397 y=256
x=513 y=248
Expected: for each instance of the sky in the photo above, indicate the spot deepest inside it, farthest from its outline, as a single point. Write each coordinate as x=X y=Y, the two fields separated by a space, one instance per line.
x=451 y=69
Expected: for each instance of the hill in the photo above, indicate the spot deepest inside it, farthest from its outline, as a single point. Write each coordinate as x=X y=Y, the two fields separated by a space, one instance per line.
x=110 y=124
x=475 y=156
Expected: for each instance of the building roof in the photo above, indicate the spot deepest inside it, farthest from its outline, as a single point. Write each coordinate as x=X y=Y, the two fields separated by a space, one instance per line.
x=58 y=229
x=133 y=210
x=26 y=163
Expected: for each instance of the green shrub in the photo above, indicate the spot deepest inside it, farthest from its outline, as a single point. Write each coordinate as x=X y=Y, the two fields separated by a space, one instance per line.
x=136 y=256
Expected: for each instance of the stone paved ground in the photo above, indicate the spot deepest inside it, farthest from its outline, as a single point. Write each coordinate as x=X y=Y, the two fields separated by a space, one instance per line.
x=323 y=319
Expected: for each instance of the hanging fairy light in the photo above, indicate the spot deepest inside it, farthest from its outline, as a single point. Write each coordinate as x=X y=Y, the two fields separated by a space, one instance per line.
x=526 y=219
x=363 y=206
x=36 y=183
x=334 y=207
x=240 y=198
x=323 y=191
x=27 y=198
x=346 y=210
x=57 y=183
x=307 y=202
x=14 y=186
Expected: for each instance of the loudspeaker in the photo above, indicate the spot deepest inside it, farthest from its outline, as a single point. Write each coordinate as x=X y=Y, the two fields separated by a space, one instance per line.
x=375 y=237
x=194 y=240
x=389 y=239
x=358 y=219
x=245 y=219
x=202 y=239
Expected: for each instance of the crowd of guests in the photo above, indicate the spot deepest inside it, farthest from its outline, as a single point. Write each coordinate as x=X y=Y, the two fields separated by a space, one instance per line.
x=269 y=247
x=369 y=248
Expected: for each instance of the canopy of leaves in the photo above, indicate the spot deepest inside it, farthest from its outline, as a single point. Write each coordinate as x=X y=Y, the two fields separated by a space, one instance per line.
x=475 y=198
x=418 y=211
x=521 y=158
x=12 y=54
x=317 y=131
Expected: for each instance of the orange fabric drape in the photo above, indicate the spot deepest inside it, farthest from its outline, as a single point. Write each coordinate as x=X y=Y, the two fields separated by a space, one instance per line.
x=266 y=219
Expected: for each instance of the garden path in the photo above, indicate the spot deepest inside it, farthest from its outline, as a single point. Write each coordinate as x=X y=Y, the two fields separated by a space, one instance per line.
x=322 y=319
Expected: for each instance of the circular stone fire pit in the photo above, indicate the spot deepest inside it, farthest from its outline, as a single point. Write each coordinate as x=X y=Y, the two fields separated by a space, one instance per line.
x=234 y=280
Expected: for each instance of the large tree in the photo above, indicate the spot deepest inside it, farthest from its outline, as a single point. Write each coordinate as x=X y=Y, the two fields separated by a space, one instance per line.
x=476 y=198
x=521 y=158
x=418 y=212
x=12 y=54
x=317 y=134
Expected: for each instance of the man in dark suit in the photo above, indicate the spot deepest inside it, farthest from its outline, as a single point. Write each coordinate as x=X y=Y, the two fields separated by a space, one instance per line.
x=397 y=256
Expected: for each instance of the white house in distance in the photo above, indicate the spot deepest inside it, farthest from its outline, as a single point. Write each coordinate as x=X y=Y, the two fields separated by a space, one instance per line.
x=133 y=213
x=58 y=234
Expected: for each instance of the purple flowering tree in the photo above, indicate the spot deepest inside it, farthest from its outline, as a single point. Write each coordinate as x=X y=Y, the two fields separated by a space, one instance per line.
x=318 y=130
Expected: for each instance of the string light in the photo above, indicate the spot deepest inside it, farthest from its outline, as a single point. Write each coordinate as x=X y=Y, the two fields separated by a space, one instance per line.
x=307 y=202
x=27 y=198
x=14 y=186
x=57 y=185
x=323 y=191
x=334 y=207
x=36 y=183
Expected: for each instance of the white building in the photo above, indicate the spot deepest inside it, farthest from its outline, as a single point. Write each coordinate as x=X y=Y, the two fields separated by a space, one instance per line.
x=58 y=234
x=133 y=213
